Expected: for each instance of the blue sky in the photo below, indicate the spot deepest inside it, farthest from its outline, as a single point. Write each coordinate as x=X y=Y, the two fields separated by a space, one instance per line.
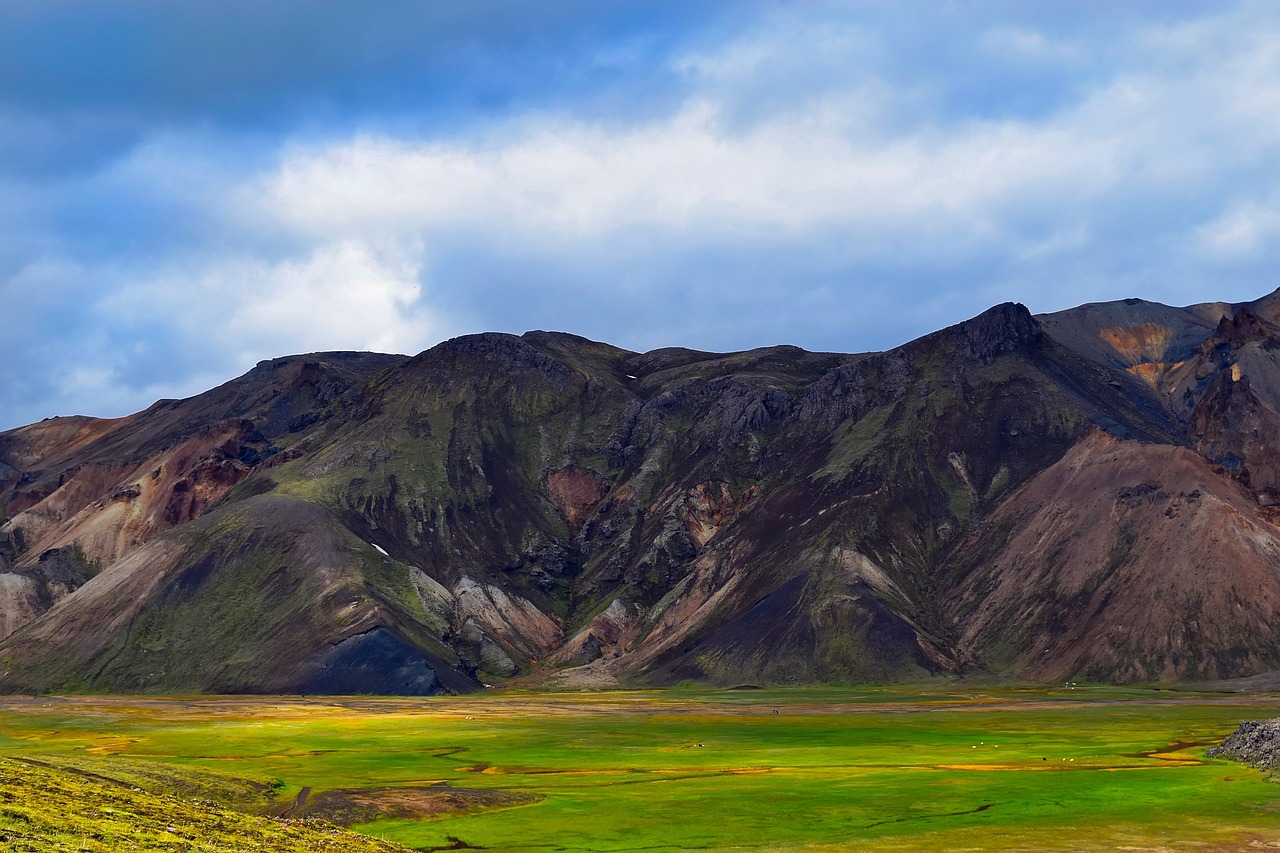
x=187 y=188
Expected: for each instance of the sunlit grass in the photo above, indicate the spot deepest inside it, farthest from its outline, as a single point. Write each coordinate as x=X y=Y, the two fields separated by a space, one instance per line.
x=55 y=809
x=893 y=768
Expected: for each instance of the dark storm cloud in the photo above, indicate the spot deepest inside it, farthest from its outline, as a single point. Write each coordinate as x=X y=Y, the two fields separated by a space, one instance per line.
x=86 y=81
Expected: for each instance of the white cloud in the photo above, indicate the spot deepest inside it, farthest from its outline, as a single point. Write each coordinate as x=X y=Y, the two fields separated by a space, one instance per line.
x=686 y=175
x=1194 y=110
x=339 y=295
x=343 y=295
x=1030 y=45
x=1244 y=231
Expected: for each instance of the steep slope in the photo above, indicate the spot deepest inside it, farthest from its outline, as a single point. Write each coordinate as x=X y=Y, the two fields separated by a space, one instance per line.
x=643 y=515
x=266 y=595
x=1134 y=333
x=99 y=489
x=1177 y=578
x=832 y=572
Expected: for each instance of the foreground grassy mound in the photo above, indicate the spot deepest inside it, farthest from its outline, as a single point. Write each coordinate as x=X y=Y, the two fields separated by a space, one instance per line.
x=54 y=809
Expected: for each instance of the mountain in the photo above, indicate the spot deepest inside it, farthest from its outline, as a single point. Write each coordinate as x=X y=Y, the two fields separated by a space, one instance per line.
x=1093 y=493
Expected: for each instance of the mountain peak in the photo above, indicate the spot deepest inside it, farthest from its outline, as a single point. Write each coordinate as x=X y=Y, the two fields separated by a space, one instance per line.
x=1004 y=328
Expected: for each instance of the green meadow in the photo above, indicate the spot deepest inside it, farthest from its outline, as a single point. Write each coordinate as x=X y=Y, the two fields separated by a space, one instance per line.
x=1094 y=768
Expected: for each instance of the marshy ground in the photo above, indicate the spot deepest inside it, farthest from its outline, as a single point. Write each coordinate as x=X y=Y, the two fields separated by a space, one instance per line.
x=781 y=769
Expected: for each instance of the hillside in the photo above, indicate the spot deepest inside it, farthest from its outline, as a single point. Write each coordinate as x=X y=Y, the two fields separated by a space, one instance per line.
x=1089 y=494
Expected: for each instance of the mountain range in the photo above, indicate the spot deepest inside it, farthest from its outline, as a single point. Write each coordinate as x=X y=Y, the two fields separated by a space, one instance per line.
x=1092 y=494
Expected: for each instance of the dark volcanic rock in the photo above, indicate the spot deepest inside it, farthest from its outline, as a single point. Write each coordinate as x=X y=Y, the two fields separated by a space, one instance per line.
x=1005 y=328
x=377 y=662
x=1256 y=743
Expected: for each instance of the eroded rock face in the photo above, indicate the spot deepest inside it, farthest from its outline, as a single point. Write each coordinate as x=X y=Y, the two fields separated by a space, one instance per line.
x=607 y=635
x=575 y=492
x=27 y=593
x=707 y=508
x=104 y=488
x=1098 y=564
x=21 y=600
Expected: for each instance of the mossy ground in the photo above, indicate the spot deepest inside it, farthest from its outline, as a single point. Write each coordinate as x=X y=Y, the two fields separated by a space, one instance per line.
x=55 y=809
x=908 y=768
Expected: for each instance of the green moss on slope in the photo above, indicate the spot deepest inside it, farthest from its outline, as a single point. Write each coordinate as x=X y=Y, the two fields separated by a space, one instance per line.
x=46 y=809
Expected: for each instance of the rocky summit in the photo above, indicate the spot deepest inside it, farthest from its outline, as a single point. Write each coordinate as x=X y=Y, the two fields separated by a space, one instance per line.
x=1092 y=494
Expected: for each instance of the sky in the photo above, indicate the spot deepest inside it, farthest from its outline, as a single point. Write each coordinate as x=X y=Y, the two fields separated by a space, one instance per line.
x=187 y=188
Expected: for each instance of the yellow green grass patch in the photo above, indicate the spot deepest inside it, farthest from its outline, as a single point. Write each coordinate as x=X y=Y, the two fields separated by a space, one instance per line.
x=50 y=809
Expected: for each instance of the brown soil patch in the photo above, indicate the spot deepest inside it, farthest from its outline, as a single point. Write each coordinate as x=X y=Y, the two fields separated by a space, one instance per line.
x=364 y=805
x=1147 y=342
x=574 y=491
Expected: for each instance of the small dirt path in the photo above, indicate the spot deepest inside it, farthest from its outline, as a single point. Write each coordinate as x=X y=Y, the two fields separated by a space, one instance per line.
x=299 y=803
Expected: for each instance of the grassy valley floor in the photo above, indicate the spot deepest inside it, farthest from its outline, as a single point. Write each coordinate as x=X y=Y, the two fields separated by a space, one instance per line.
x=900 y=768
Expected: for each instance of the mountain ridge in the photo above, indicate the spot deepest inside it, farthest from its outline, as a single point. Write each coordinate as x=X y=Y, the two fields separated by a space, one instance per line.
x=557 y=510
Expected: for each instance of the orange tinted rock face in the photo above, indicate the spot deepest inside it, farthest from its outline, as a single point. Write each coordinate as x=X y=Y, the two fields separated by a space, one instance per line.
x=203 y=486
x=707 y=508
x=574 y=491
x=108 y=511
x=1147 y=342
x=1152 y=372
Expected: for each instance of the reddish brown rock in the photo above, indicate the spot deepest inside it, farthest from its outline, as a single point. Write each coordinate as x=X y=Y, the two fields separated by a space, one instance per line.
x=575 y=492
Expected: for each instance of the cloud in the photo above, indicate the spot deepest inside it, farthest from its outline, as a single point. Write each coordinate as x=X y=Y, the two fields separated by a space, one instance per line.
x=835 y=175
x=344 y=294
x=111 y=339
x=1244 y=231
x=790 y=221
x=341 y=295
x=1021 y=43
x=685 y=175
x=832 y=163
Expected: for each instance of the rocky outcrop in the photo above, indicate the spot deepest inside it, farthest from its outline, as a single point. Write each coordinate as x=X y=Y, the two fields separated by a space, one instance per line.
x=28 y=592
x=104 y=488
x=1256 y=743
x=1005 y=328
